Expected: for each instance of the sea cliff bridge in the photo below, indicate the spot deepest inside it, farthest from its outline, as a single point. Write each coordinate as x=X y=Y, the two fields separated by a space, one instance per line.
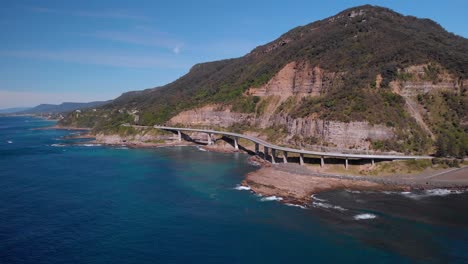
x=267 y=147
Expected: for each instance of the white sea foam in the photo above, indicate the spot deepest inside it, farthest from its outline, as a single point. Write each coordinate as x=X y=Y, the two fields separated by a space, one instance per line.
x=58 y=145
x=352 y=191
x=442 y=192
x=201 y=149
x=242 y=188
x=364 y=216
x=121 y=148
x=316 y=198
x=271 y=198
x=328 y=206
x=296 y=205
x=10 y=142
x=432 y=192
x=90 y=145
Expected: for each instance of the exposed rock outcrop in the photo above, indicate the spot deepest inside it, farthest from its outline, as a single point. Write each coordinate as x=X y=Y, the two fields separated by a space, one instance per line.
x=210 y=115
x=356 y=135
x=299 y=79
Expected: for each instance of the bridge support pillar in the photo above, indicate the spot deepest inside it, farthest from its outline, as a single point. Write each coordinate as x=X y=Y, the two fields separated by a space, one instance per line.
x=322 y=162
x=257 y=148
x=273 y=156
x=285 y=156
x=301 y=158
x=210 y=141
x=373 y=162
x=236 y=143
x=346 y=163
x=179 y=134
x=265 y=153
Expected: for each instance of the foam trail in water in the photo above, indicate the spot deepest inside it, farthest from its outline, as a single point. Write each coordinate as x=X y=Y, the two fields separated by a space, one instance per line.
x=10 y=142
x=328 y=206
x=364 y=216
x=296 y=205
x=316 y=198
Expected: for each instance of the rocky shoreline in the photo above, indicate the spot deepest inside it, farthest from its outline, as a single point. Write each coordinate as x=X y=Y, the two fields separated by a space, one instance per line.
x=296 y=184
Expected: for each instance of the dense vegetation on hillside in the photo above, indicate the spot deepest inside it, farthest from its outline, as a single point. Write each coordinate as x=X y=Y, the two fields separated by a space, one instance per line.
x=448 y=117
x=359 y=43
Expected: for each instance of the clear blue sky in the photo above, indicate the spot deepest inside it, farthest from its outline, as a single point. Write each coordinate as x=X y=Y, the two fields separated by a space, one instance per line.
x=55 y=51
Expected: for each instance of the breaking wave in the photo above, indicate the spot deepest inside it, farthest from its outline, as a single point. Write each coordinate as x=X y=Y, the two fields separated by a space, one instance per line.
x=364 y=216
x=317 y=199
x=201 y=149
x=432 y=192
x=328 y=206
x=296 y=205
x=58 y=145
x=271 y=198
x=242 y=188
x=353 y=191
x=90 y=145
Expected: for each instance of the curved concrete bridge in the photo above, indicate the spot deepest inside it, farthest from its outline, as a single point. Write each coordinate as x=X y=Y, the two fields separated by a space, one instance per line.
x=268 y=146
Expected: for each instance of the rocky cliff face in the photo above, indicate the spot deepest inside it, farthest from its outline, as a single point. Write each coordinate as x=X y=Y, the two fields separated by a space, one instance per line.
x=299 y=79
x=210 y=115
x=425 y=78
x=353 y=135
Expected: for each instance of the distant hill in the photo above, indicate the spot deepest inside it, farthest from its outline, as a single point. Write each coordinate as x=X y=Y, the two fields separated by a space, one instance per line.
x=13 y=110
x=61 y=108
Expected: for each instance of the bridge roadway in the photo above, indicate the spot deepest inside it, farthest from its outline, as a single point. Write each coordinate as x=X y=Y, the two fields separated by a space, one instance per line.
x=285 y=150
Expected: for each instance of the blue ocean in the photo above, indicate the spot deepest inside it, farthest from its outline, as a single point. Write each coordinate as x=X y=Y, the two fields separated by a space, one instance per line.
x=68 y=201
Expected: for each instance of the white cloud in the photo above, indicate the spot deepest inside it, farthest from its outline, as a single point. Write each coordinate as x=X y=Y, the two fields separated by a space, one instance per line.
x=141 y=36
x=29 y=98
x=176 y=50
x=111 y=14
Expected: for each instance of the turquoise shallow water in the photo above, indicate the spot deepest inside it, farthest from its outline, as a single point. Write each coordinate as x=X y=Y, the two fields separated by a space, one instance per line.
x=76 y=203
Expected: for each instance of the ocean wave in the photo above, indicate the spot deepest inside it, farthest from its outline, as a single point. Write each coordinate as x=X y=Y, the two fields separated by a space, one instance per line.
x=328 y=206
x=271 y=198
x=443 y=192
x=296 y=205
x=352 y=191
x=254 y=163
x=316 y=198
x=10 y=142
x=431 y=193
x=364 y=216
x=89 y=145
x=242 y=188
x=58 y=145
x=201 y=149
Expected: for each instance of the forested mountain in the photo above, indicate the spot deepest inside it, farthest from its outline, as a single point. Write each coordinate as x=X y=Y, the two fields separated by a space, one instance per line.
x=367 y=68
